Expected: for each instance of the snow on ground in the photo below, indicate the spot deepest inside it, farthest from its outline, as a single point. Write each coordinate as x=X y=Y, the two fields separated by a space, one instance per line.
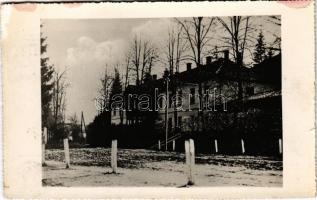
x=91 y=167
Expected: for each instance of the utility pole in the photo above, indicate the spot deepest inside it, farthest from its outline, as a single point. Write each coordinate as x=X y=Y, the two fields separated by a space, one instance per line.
x=165 y=76
x=83 y=127
x=166 y=112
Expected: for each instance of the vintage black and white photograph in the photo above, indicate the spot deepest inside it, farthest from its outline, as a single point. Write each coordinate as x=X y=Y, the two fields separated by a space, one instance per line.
x=168 y=102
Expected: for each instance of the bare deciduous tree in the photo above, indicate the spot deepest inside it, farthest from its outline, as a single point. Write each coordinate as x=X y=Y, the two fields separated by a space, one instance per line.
x=241 y=37
x=127 y=68
x=143 y=55
x=276 y=45
x=172 y=56
x=59 y=103
x=136 y=57
x=237 y=27
x=59 y=96
x=275 y=20
x=197 y=32
x=104 y=91
x=175 y=49
x=149 y=55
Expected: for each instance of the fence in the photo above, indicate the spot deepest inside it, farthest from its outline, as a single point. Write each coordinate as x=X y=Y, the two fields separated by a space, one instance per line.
x=65 y=145
x=189 y=154
x=220 y=144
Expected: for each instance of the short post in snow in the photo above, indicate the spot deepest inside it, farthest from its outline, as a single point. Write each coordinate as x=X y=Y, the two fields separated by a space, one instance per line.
x=242 y=146
x=216 y=146
x=173 y=145
x=159 y=145
x=114 y=151
x=190 y=160
x=44 y=142
x=280 y=145
x=66 y=151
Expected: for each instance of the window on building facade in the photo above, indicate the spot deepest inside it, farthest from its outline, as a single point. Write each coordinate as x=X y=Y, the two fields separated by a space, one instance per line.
x=179 y=121
x=207 y=93
x=161 y=102
x=170 y=124
x=170 y=101
x=179 y=98
x=192 y=97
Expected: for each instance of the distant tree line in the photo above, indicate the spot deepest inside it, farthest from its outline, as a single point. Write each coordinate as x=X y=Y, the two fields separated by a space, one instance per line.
x=53 y=97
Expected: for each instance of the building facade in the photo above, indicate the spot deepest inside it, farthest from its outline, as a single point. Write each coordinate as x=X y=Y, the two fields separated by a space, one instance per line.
x=220 y=99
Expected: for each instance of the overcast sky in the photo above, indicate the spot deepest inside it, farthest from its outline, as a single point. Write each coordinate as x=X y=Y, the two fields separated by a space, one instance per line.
x=88 y=46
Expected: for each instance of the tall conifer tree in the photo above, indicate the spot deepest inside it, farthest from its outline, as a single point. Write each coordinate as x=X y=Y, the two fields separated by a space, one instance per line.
x=259 y=54
x=46 y=83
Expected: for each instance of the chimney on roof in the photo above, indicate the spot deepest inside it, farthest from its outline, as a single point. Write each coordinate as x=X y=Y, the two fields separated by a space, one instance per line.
x=226 y=55
x=189 y=66
x=208 y=60
x=154 y=77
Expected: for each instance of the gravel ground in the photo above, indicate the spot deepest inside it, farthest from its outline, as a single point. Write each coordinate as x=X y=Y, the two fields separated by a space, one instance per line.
x=90 y=167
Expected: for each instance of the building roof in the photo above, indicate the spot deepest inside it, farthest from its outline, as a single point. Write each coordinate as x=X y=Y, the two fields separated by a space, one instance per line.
x=270 y=70
x=224 y=69
x=220 y=68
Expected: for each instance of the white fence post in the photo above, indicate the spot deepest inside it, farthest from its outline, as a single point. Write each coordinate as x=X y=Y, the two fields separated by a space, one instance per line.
x=190 y=160
x=187 y=156
x=43 y=155
x=159 y=144
x=114 y=145
x=280 y=144
x=216 y=146
x=187 y=151
x=242 y=146
x=66 y=150
x=44 y=142
x=173 y=145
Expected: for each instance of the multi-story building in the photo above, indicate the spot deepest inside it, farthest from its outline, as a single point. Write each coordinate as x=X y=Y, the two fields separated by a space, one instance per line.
x=217 y=97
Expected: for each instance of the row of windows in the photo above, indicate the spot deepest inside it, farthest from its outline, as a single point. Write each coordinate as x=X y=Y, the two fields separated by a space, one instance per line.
x=179 y=122
x=179 y=100
x=249 y=91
